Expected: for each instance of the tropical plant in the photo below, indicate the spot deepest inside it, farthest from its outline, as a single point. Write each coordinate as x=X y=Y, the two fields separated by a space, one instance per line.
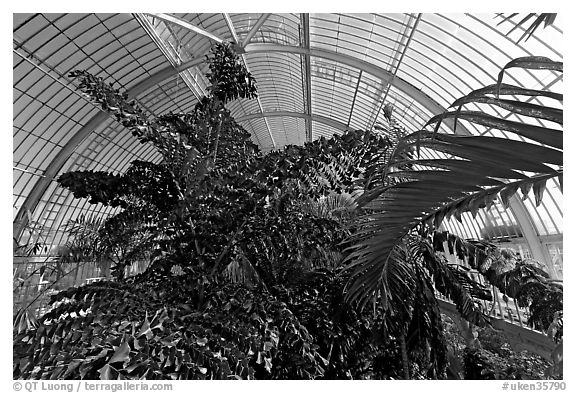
x=518 y=279
x=34 y=237
x=539 y=20
x=110 y=330
x=524 y=282
x=83 y=246
x=248 y=259
x=475 y=171
x=232 y=236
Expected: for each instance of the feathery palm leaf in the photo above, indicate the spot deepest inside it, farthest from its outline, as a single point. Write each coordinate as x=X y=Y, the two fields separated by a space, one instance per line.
x=333 y=206
x=522 y=280
x=240 y=270
x=474 y=171
x=83 y=241
x=539 y=19
x=455 y=287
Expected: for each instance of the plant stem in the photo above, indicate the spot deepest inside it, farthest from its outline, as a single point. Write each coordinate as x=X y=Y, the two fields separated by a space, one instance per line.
x=404 y=352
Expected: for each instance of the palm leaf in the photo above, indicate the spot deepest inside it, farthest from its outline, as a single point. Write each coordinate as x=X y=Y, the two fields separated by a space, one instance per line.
x=485 y=198
x=516 y=107
x=240 y=270
x=457 y=287
x=532 y=63
x=504 y=89
x=539 y=134
x=546 y=19
x=331 y=206
x=469 y=174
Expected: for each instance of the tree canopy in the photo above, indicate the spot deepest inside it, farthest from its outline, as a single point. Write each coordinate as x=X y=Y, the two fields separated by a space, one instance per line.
x=261 y=266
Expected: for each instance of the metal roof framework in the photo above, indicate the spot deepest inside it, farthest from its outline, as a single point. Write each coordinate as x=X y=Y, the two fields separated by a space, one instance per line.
x=317 y=74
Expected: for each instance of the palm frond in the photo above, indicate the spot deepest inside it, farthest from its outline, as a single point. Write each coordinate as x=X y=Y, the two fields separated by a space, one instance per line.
x=471 y=173
x=334 y=206
x=458 y=287
x=389 y=280
x=485 y=198
x=539 y=20
x=241 y=271
x=523 y=280
x=84 y=226
x=532 y=63
x=24 y=321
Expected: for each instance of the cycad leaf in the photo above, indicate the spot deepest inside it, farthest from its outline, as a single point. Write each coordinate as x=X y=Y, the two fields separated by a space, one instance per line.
x=145 y=328
x=106 y=372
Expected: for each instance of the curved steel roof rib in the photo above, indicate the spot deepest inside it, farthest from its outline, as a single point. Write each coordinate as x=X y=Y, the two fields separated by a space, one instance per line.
x=318 y=74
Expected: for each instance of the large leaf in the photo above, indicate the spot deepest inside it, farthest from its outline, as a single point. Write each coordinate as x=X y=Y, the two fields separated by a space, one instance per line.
x=547 y=136
x=505 y=89
x=518 y=107
x=539 y=20
x=532 y=63
x=121 y=354
x=484 y=198
x=453 y=174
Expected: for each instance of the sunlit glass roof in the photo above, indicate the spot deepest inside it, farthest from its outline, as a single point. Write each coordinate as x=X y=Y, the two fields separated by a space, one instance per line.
x=317 y=74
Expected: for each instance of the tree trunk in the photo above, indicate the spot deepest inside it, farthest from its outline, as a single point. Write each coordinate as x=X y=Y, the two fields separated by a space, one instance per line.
x=405 y=364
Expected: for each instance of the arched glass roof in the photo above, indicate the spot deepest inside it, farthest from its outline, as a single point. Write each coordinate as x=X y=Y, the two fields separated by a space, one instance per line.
x=317 y=74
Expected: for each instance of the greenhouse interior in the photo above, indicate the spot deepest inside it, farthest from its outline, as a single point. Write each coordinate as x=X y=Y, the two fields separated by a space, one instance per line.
x=298 y=196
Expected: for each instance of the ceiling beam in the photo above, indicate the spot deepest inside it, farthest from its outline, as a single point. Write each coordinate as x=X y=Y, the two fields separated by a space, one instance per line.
x=241 y=52
x=396 y=64
x=354 y=98
x=407 y=88
x=64 y=154
x=162 y=36
x=231 y=27
x=187 y=25
x=254 y=29
x=319 y=118
x=528 y=228
x=307 y=74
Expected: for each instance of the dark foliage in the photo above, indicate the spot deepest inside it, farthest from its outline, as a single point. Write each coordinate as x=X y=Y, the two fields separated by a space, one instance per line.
x=485 y=364
x=517 y=279
x=247 y=274
x=491 y=357
x=240 y=283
